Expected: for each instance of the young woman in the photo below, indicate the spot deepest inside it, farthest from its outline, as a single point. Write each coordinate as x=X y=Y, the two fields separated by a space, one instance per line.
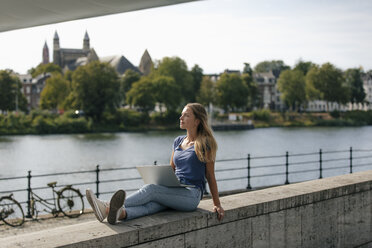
x=192 y=159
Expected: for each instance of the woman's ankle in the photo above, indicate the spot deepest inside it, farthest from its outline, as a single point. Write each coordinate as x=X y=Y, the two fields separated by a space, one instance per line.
x=123 y=214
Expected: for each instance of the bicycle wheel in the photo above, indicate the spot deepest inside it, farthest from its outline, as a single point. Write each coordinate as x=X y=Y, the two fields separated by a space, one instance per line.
x=11 y=211
x=70 y=202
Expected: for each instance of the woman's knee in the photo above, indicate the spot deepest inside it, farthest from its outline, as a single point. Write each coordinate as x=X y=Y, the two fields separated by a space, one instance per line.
x=148 y=187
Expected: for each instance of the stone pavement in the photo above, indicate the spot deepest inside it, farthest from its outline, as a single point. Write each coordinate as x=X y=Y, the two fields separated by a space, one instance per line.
x=44 y=223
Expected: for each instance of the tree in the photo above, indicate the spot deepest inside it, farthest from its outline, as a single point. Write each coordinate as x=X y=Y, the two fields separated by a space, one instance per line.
x=354 y=81
x=176 y=67
x=207 y=92
x=304 y=67
x=252 y=90
x=11 y=96
x=197 y=75
x=167 y=92
x=291 y=84
x=95 y=89
x=44 y=68
x=127 y=81
x=55 y=92
x=232 y=92
x=276 y=66
x=142 y=94
x=327 y=83
x=247 y=69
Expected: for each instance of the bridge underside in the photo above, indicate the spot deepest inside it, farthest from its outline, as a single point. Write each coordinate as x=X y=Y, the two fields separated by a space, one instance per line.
x=16 y=14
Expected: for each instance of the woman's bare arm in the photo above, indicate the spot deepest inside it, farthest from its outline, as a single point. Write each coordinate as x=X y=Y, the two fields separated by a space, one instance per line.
x=171 y=162
x=214 y=190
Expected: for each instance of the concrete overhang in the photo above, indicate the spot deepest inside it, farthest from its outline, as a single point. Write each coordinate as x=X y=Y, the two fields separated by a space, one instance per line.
x=16 y=14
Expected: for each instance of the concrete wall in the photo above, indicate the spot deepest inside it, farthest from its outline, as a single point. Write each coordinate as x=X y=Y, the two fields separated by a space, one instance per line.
x=331 y=212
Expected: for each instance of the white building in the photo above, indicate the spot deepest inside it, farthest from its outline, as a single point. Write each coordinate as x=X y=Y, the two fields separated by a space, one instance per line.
x=269 y=92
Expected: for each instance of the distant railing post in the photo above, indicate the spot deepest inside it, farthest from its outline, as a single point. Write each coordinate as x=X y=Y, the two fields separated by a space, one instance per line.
x=320 y=165
x=286 y=168
x=249 y=171
x=29 y=195
x=97 y=181
x=351 y=160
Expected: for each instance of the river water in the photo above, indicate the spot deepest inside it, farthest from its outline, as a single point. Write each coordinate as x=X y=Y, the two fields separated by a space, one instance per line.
x=60 y=153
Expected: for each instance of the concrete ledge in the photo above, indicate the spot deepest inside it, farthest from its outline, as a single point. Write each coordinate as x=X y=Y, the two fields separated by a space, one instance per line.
x=331 y=212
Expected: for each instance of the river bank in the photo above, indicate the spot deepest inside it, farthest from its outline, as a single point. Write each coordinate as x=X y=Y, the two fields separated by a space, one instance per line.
x=41 y=122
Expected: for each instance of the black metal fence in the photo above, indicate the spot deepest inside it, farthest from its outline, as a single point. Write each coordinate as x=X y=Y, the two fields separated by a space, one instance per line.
x=308 y=165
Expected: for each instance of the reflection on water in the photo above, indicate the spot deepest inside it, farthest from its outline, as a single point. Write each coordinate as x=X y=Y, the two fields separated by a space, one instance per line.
x=5 y=139
x=96 y=136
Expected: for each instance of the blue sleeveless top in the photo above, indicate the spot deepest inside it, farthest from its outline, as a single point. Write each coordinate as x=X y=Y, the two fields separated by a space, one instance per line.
x=189 y=169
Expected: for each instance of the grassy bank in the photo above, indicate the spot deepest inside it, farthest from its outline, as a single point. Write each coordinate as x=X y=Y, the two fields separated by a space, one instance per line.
x=265 y=118
x=44 y=122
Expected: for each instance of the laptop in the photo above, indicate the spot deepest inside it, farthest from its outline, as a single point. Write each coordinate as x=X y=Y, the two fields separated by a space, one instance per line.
x=161 y=175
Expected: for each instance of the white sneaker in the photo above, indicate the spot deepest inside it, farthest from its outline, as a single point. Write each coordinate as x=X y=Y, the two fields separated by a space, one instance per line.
x=99 y=207
x=116 y=207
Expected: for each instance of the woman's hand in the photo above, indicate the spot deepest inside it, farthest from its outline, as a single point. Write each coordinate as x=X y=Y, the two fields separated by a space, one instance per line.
x=220 y=212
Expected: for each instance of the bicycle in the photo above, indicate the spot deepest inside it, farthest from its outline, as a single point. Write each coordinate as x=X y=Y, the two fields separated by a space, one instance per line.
x=11 y=212
x=69 y=201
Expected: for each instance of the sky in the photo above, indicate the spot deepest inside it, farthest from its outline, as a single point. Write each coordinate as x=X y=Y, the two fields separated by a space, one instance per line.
x=215 y=34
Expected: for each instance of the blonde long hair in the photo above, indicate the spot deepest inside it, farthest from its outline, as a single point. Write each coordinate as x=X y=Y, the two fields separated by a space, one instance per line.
x=205 y=144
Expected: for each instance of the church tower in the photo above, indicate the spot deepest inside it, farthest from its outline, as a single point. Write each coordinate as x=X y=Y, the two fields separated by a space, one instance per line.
x=86 y=45
x=45 y=54
x=56 y=54
x=146 y=64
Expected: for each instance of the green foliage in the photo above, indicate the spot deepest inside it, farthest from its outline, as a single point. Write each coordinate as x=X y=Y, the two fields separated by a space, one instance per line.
x=142 y=94
x=10 y=92
x=43 y=125
x=232 y=92
x=197 y=75
x=95 y=89
x=327 y=83
x=125 y=118
x=304 y=67
x=291 y=84
x=127 y=81
x=354 y=82
x=176 y=67
x=55 y=92
x=262 y=115
x=207 y=92
x=335 y=114
x=252 y=90
x=247 y=69
x=69 y=123
x=14 y=123
x=167 y=118
x=276 y=66
x=44 y=68
x=362 y=117
x=166 y=92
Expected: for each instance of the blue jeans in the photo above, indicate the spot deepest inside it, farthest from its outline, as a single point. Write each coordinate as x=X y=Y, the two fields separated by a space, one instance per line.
x=153 y=198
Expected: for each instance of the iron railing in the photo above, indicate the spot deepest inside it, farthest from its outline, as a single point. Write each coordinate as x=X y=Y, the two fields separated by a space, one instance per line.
x=286 y=162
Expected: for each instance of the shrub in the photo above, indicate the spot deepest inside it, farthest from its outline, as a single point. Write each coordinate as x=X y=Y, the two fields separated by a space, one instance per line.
x=262 y=115
x=43 y=125
x=335 y=114
x=359 y=116
x=130 y=118
x=167 y=118
x=67 y=124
